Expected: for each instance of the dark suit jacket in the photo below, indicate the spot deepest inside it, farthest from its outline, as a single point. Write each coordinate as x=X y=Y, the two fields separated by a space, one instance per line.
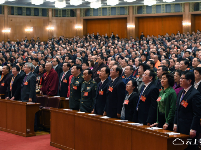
x=158 y=83
x=29 y=91
x=199 y=88
x=115 y=98
x=63 y=86
x=188 y=118
x=100 y=100
x=16 y=88
x=5 y=84
x=96 y=68
x=36 y=70
x=147 y=111
x=129 y=109
x=59 y=70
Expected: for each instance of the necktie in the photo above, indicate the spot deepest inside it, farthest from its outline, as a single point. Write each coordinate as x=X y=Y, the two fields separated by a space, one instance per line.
x=62 y=76
x=142 y=89
x=182 y=96
x=100 y=85
x=25 y=78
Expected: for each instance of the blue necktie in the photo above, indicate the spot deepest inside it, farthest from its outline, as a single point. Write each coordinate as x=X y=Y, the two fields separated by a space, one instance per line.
x=142 y=89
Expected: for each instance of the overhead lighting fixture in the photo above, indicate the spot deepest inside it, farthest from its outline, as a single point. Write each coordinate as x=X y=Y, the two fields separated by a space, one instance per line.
x=75 y=2
x=2 y=1
x=112 y=2
x=149 y=2
x=185 y=23
x=50 y=28
x=129 y=0
x=60 y=3
x=10 y=0
x=6 y=30
x=51 y=0
x=168 y=1
x=96 y=4
x=29 y=29
x=130 y=25
x=37 y=2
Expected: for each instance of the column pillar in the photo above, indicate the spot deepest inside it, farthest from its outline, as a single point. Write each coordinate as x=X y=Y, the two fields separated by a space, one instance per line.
x=50 y=32
x=6 y=22
x=79 y=22
x=186 y=24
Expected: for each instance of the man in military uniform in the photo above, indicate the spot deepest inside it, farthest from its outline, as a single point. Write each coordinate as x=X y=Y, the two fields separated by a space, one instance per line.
x=75 y=87
x=88 y=92
x=128 y=74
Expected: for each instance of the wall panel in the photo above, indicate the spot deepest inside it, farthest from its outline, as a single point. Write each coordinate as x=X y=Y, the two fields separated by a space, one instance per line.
x=103 y=26
x=197 y=22
x=160 y=25
x=1 y=27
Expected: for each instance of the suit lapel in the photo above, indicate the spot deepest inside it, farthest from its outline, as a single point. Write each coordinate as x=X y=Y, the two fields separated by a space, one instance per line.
x=147 y=89
x=185 y=96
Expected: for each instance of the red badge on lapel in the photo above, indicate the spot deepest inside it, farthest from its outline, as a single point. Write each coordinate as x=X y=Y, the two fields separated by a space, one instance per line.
x=184 y=103
x=123 y=77
x=85 y=93
x=26 y=83
x=98 y=72
x=160 y=90
x=143 y=98
x=110 y=89
x=64 y=80
x=159 y=99
x=2 y=84
x=137 y=76
x=100 y=92
x=126 y=102
x=75 y=87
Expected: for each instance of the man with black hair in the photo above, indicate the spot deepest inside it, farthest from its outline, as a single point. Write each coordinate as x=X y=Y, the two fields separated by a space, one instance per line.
x=14 y=90
x=188 y=114
x=36 y=67
x=195 y=62
x=85 y=65
x=184 y=63
x=101 y=92
x=97 y=67
x=64 y=80
x=56 y=66
x=165 y=62
x=115 y=93
x=128 y=74
x=137 y=62
x=124 y=63
x=151 y=65
x=160 y=71
x=75 y=87
x=197 y=74
x=5 y=80
x=146 y=110
x=88 y=92
x=144 y=58
x=172 y=64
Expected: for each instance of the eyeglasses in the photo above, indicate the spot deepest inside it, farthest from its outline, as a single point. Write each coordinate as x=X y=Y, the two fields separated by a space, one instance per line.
x=182 y=78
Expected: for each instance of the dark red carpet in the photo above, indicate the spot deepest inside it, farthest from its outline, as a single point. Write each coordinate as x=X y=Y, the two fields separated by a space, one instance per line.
x=10 y=141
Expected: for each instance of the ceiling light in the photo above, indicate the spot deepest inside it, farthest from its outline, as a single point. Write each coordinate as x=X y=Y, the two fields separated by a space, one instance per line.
x=6 y=30
x=29 y=29
x=60 y=3
x=168 y=1
x=149 y=2
x=50 y=28
x=2 y=1
x=75 y=2
x=37 y=2
x=129 y=0
x=78 y=26
x=95 y=4
x=112 y=2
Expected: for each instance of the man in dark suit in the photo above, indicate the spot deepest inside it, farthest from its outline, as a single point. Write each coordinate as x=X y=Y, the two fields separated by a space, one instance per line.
x=36 y=67
x=188 y=111
x=28 y=87
x=97 y=67
x=64 y=80
x=146 y=110
x=5 y=80
x=56 y=66
x=160 y=71
x=14 y=92
x=112 y=36
x=197 y=74
x=115 y=93
x=101 y=91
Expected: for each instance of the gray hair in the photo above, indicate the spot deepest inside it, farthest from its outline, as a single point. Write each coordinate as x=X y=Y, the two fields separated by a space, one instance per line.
x=30 y=65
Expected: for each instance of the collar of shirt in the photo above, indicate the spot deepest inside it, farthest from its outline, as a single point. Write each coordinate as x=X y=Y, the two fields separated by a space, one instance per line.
x=114 y=79
x=103 y=81
x=146 y=85
x=28 y=74
x=186 y=90
x=55 y=66
x=197 y=84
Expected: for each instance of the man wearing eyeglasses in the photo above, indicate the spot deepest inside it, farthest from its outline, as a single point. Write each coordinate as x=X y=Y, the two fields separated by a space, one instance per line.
x=188 y=112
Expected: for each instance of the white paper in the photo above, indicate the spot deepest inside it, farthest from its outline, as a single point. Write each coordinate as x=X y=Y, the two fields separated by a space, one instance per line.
x=105 y=117
x=172 y=133
x=92 y=114
x=66 y=109
x=136 y=124
x=154 y=128
x=80 y=112
x=121 y=120
x=30 y=103
x=56 y=96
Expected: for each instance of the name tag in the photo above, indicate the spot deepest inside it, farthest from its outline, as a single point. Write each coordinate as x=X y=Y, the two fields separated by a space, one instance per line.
x=126 y=102
x=143 y=98
x=137 y=76
x=160 y=90
x=98 y=72
x=75 y=87
x=2 y=84
x=184 y=103
x=100 y=92
x=25 y=83
x=65 y=81
x=85 y=93
x=159 y=99
x=110 y=89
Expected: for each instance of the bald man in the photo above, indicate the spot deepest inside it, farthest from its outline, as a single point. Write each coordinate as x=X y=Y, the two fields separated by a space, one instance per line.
x=50 y=81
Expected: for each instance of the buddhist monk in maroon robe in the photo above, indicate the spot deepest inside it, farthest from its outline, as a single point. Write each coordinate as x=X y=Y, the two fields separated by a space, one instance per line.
x=50 y=81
